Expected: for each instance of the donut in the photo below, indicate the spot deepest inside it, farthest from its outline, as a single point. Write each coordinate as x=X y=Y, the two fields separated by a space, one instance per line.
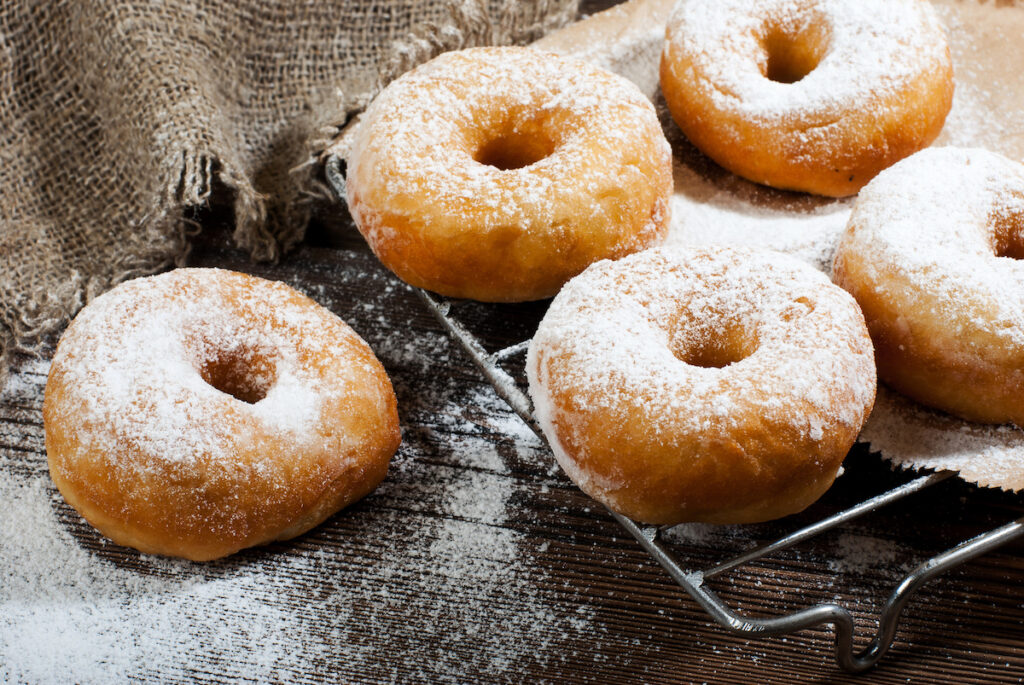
x=933 y=254
x=497 y=174
x=711 y=384
x=202 y=411
x=809 y=95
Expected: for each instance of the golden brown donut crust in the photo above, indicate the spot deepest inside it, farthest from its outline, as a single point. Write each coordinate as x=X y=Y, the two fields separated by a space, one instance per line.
x=834 y=128
x=932 y=253
x=156 y=458
x=706 y=384
x=497 y=174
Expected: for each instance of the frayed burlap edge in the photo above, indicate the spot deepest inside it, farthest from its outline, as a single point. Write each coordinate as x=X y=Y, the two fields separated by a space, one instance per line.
x=264 y=226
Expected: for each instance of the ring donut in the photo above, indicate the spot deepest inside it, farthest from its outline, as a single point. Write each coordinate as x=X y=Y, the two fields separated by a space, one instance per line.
x=497 y=174
x=202 y=411
x=811 y=95
x=933 y=253
x=722 y=385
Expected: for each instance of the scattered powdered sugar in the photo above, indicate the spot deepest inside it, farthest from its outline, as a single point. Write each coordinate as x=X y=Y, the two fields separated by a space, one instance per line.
x=69 y=612
x=70 y=616
x=859 y=553
x=131 y=363
x=736 y=212
x=963 y=122
x=851 y=553
x=937 y=251
x=613 y=342
x=934 y=253
x=708 y=535
x=413 y=154
x=984 y=39
x=115 y=624
x=207 y=396
x=529 y=448
x=875 y=49
x=639 y=37
x=913 y=436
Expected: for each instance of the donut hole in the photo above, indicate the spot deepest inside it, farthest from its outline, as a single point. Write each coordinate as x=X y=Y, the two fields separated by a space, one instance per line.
x=511 y=148
x=243 y=371
x=1008 y=231
x=715 y=350
x=1010 y=249
x=790 y=56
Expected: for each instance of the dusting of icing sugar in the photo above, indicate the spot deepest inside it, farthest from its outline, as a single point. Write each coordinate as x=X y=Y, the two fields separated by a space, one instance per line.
x=434 y=580
x=983 y=40
x=131 y=361
x=913 y=436
x=418 y=140
x=859 y=553
x=927 y=227
x=966 y=125
x=632 y=58
x=851 y=552
x=729 y=213
x=702 y=534
x=609 y=341
x=212 y=404
x=874 y=49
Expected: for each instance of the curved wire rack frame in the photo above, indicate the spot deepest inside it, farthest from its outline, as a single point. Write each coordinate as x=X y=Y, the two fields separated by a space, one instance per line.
x=693 y=580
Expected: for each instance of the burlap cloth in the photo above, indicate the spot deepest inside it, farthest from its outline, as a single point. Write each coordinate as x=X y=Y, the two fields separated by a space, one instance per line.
x=115 y=117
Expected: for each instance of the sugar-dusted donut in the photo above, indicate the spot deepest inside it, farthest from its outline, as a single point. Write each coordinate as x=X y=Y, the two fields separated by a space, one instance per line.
x=722 y=385
x=202 y=411
x=812 y=95
x=934 y=255
x=499 y=173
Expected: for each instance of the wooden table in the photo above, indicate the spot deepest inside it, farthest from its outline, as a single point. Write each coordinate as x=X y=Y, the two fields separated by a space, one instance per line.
x=477 y=560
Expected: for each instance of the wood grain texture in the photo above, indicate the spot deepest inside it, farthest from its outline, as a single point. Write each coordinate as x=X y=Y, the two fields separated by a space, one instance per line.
x=553 y=590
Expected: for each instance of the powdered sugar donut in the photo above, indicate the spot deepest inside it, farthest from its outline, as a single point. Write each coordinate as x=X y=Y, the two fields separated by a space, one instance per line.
x=812 y=95
x=202 y=411
x=933 y=253
x=706 y=384
x=499 y=173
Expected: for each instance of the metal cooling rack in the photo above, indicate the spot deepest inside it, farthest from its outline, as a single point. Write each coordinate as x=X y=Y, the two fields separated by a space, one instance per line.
x=693 y=580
